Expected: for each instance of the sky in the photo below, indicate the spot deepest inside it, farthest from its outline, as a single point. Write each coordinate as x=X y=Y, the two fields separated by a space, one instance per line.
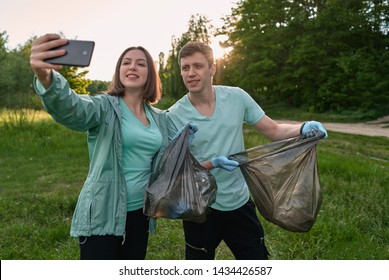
x=114 y=25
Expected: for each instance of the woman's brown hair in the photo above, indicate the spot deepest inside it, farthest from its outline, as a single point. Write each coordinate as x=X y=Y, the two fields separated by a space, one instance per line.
x=152 y=90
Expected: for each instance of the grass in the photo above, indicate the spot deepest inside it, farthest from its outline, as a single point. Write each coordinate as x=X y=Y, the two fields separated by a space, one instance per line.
x=43 y=166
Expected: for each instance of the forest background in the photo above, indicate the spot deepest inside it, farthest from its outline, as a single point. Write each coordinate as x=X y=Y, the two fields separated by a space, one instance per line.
x=322 y=58
x=318 y=56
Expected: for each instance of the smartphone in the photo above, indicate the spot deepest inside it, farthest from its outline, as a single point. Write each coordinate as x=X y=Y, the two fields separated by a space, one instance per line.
x=78 y=53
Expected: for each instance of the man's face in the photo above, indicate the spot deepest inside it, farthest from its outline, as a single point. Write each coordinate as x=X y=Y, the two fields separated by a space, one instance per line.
x=196 y=73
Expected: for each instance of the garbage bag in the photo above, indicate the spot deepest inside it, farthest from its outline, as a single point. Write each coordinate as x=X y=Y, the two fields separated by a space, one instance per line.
x=181 y=188
x=283 y=181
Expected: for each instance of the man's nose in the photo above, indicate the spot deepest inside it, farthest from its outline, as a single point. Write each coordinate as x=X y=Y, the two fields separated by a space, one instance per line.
x=191 y=71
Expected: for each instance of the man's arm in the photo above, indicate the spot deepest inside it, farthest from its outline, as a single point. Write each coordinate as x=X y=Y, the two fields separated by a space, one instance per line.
x=275 y=131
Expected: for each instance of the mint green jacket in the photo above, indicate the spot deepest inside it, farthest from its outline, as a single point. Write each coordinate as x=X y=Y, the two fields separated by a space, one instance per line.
x=102 y=204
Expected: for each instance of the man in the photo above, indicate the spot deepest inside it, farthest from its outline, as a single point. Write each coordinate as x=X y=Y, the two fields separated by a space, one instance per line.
x=219 y=113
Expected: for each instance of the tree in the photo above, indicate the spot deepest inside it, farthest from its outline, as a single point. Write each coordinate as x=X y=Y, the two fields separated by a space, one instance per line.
x=96 y=87
x=355 y=74
x=3 y=67
x=3 y=43
x=16 y=76
x=198 y=30
x=323 y=54
x=76 y=78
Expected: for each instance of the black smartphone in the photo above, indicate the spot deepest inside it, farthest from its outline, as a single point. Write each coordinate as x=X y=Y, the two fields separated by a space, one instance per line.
x=78 y=53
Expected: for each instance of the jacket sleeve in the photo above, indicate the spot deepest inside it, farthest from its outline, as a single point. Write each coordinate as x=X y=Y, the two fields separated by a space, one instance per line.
x=77 y=112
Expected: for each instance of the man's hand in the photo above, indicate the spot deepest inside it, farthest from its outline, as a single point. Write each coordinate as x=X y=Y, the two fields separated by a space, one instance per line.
x=225 y=163
x=192 y=130
x=308 y=129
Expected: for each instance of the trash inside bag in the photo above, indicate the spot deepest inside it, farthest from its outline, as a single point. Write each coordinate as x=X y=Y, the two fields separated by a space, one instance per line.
x=283 y=181
x=182 y=188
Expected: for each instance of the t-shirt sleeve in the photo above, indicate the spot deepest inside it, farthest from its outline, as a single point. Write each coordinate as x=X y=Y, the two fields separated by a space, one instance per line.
x=253 y=112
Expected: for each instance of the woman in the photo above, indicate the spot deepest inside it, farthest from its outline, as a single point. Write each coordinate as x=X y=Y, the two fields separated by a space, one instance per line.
x=126 y=137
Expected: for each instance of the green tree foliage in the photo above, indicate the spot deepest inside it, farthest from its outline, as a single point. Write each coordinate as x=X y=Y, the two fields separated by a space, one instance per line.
x=3 y=43
x=323 y=54
x=4 y=79
x=198 y=30
x=76 y=78
x=97 y=87
x=16 y=76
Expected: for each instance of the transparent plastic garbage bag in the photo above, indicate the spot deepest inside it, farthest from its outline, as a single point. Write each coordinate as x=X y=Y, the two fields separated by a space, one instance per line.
x=283 y=181
x=182 y=188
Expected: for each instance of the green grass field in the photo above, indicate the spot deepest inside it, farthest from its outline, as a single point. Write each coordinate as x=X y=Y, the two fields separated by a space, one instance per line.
x=43 y=166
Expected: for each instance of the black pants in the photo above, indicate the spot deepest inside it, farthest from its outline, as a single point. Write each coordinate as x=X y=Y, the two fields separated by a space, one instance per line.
x=240 y=229
x=110 y=247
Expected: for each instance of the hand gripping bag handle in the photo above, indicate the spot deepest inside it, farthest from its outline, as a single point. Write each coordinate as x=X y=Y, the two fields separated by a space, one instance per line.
x=181 y=188
x=283 y=180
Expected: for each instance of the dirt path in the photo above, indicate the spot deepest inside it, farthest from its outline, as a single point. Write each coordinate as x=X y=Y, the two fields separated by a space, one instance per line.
x=379 y=127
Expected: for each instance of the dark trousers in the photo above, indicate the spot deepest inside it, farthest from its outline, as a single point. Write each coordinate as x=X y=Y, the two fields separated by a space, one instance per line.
x=240 y=229
x=109 y=247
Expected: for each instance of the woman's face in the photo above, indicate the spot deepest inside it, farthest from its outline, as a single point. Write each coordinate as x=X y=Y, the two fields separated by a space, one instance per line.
x=134 y=70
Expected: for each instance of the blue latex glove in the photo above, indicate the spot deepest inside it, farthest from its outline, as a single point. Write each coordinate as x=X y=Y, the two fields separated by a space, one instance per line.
x=225 y=163
x=192 y=130
x=308 y=129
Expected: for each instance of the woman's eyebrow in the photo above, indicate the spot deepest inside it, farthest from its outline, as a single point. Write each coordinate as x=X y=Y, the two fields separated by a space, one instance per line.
x=138 y=59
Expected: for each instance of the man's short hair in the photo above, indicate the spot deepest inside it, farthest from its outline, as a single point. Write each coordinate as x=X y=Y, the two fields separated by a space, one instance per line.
x=191 y=48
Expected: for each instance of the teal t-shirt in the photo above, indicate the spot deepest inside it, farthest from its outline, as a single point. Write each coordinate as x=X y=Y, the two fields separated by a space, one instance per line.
x=140 y=144
x=220 y=135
